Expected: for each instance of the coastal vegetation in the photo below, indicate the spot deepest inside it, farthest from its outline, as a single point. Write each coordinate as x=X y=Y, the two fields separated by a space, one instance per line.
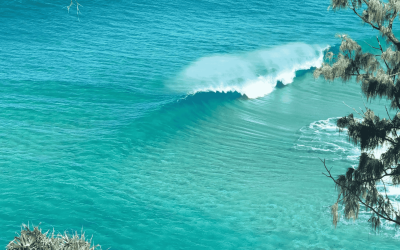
x=35 y=239
x=368 y=184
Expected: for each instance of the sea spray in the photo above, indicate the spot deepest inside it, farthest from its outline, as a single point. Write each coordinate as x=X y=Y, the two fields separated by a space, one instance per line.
x=254 y=74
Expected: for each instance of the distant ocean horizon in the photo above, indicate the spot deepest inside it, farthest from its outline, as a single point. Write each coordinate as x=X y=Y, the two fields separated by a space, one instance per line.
x=179 y=124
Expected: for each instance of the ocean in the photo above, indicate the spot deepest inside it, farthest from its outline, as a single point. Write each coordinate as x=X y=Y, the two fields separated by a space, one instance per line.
x=177 y=124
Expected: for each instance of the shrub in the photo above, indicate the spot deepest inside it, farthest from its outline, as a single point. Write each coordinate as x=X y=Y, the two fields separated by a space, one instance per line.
x=35 y=240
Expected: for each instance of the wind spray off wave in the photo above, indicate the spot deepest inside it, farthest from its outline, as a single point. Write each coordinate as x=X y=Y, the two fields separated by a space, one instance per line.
x=254 y=74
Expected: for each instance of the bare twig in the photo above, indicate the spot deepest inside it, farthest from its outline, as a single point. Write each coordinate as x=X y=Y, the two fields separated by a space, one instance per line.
x=69 y=6
x=353 y=109
x=387 y=112
x=329 y=175
x=382 y=52
x=371 y=46
x=365 y=106
x=391 y=20
x=394 y=74
x=77 y=7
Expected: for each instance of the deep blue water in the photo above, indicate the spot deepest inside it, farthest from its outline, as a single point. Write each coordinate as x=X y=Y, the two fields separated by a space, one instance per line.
x=160 y=125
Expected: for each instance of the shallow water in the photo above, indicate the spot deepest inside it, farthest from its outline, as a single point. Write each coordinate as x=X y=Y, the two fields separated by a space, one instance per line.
x=112 y=121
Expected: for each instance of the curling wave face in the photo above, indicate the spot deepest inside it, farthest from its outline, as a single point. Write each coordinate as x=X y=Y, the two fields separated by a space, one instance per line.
x=253 y=74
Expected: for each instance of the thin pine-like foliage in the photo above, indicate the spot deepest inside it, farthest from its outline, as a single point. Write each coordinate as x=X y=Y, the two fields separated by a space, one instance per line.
x=378 y=74
x=36 y=240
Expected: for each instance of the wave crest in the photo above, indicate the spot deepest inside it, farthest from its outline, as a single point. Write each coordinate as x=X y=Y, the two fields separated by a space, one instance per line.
x=254 y=74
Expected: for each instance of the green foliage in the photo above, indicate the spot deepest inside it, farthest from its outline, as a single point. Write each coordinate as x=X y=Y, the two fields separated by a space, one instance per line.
x=366 y=185
x=35 y=239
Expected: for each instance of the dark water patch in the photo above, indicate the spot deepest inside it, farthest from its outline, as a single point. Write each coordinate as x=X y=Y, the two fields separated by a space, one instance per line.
x=206 y=96
x=303 y=72
x=280 y=85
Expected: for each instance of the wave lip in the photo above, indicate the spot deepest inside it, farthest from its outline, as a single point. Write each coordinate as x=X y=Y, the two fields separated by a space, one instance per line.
x=254 y=74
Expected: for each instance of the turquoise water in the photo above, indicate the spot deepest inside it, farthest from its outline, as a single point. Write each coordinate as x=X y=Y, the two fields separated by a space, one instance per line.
x=176 y=125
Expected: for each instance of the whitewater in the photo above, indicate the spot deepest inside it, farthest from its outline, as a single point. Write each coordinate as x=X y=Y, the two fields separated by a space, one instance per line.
x=178 y=125
x=254 y=74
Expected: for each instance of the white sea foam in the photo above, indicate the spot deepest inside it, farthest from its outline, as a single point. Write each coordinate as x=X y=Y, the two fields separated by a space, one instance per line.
x=324 y=135
x=254 y=74
x=322 y=138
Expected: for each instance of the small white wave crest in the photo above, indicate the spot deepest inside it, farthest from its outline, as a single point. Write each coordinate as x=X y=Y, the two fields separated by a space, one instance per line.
x=254 y=74
x=322 y=137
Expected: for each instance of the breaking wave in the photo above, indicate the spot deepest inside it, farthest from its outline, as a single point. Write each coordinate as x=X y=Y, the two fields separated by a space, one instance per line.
x=253 y=74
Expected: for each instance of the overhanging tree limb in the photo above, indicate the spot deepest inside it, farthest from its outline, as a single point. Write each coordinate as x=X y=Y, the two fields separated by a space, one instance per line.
x=379 y=78
x=359 y=199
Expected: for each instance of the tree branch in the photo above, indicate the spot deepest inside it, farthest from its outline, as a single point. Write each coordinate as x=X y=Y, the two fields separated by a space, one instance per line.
x=365 y=20
x=359 y=199
x=371 y=45
x=391 y=20
x=382 y=52
x=353 y=109
x=387 y=112
x=390 y=34
x=390 y=140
